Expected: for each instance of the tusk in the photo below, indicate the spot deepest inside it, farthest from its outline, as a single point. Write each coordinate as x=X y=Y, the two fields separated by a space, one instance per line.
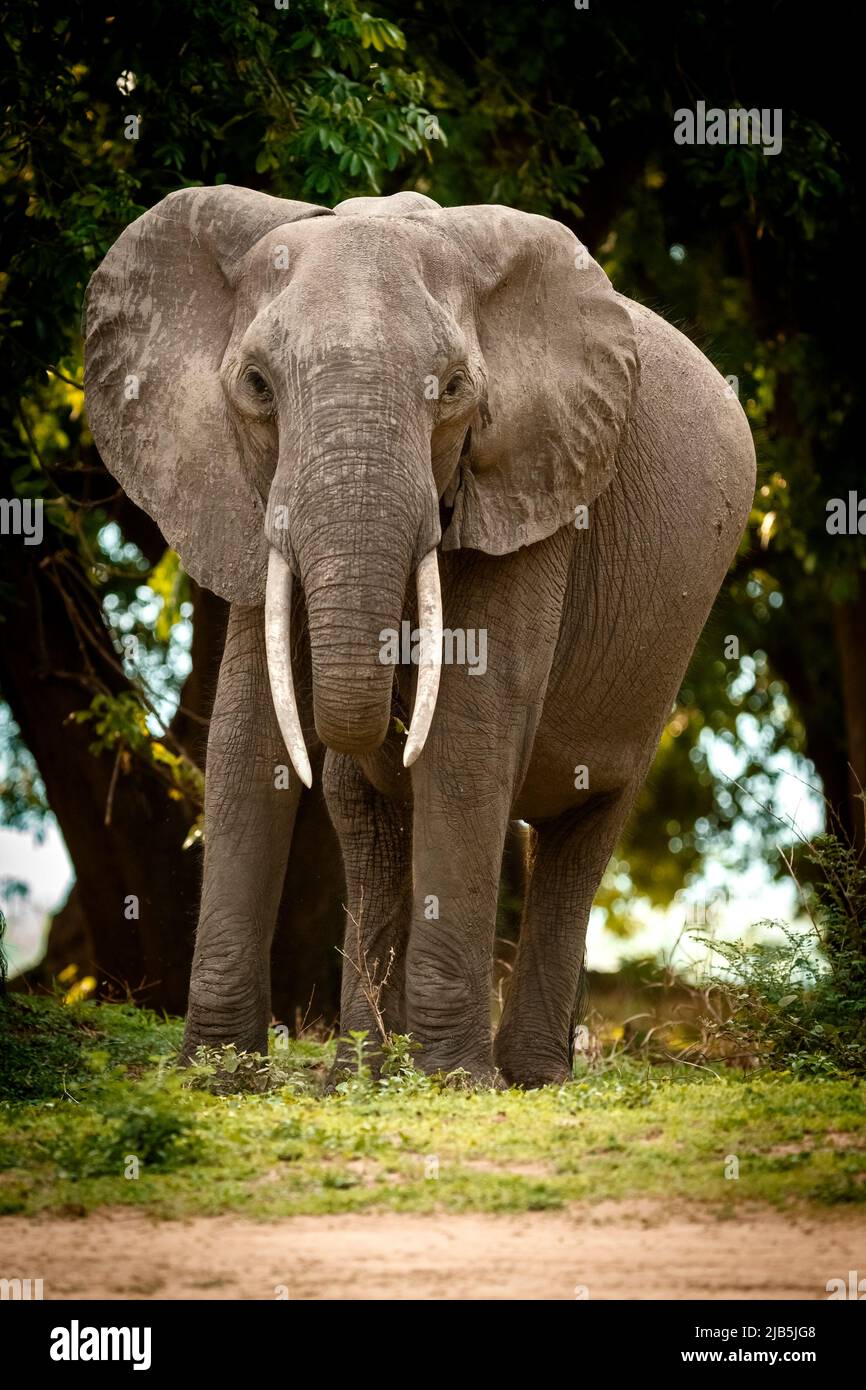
x=278 y=645
x=430 y=658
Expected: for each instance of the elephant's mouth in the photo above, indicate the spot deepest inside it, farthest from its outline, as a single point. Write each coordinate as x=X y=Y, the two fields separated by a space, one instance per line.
x=278 y=608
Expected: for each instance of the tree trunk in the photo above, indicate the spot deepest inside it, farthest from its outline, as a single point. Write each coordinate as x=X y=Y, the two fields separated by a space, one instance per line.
x=135 y=884
x=850 y=632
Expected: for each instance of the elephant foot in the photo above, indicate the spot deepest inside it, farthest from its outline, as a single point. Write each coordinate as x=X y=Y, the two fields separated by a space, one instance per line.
x=532 y=1070
x=244 y=1038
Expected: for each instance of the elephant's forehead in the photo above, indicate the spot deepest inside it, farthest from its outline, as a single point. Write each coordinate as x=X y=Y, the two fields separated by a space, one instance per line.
x=363 y=280
x=331 y=253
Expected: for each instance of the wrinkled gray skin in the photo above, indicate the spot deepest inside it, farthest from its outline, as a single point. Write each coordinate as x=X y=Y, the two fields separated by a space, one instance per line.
x=259 y=375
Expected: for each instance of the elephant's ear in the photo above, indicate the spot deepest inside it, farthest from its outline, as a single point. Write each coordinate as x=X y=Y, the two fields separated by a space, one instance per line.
x=561 y=360
x=159 y=313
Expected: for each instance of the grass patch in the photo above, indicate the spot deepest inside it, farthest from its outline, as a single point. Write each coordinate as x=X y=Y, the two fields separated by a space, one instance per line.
x=95 y=1114
x=48 y=1046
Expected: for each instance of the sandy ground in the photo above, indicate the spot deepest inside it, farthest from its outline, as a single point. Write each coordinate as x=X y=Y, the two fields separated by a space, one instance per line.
x=614 y=1250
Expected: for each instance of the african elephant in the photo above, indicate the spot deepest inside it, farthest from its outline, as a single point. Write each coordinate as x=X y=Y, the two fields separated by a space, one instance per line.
x=393 y=412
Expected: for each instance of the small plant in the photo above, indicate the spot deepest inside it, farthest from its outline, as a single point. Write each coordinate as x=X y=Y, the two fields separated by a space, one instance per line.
x=293 y=1063
x=356 y=1047
x=399 y=1072
x=384 y=1067
x=800 y=1003
x=373 y=985
x=225 y=1070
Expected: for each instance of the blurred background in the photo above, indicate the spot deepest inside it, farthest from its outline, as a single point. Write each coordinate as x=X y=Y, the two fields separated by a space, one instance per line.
x=110 y=652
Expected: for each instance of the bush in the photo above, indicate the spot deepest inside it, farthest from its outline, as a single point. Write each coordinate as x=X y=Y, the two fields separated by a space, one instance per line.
x=46 y=1046
x=150 y=1120
x=801 y=1003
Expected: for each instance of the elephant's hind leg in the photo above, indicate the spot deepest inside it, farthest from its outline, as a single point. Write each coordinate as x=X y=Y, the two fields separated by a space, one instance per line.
x=534 y=1043
x=375 y=835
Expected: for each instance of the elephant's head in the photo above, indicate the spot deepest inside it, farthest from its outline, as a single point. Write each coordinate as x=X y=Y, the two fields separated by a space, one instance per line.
x=290 y=390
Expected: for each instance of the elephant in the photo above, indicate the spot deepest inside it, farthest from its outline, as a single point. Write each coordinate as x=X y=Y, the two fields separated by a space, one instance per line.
x=391 y=412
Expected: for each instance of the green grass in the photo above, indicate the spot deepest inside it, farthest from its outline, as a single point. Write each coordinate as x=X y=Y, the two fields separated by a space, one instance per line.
x=86 y=1088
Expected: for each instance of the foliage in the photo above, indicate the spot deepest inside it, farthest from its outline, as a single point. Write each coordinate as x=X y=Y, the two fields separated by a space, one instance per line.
x=153 y=1123
x=619 y=1130
x=228 y=1071
x=315 y=103
x=800 y=1003
x=120 y=725
x=23 y=804
x=48 y=1046
x=371 y=1068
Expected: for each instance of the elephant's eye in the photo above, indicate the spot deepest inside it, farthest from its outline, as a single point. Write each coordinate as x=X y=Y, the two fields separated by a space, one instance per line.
x=454 y=385
x=257 y=384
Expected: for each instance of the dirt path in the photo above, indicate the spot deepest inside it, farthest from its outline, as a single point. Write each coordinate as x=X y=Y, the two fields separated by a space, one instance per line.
x=614 y=1250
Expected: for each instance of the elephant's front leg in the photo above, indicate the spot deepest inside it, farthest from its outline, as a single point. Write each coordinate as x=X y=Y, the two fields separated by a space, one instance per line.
x=251 y=796
x=460 y=821
x=463 y=788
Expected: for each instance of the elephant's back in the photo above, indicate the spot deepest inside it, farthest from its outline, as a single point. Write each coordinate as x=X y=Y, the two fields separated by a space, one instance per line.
x=693 y=417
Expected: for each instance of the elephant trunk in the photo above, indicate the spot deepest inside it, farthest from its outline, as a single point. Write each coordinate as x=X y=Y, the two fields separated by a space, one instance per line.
x=356 y=530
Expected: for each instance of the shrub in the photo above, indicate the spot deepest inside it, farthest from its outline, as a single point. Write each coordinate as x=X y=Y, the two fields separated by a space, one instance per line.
x=151 y=1120
x=800 y=1003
